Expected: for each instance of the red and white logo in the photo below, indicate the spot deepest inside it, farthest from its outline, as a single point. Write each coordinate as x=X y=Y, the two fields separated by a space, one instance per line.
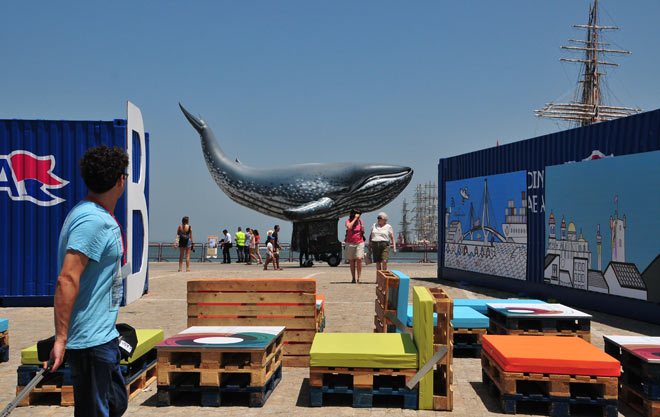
x=29 y=177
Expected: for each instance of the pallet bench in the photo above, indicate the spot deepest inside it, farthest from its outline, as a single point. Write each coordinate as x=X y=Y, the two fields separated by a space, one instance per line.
x=259 y=302
x=538 y=320
x=55 y=389
x=557 y=372
x=4 y=340
x=640 y=371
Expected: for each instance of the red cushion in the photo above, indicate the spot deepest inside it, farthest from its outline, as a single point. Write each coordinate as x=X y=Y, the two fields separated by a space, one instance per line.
x=550 y=355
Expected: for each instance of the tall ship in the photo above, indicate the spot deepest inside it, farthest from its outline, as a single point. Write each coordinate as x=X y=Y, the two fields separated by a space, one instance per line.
x=421 y=228
x=589 y=104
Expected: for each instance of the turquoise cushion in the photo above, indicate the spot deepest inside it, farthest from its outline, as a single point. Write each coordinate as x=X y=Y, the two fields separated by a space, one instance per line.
x=464 y=317
x=468 y=318
x=409 y=320
x=4 y=325
x=402 y=301
x=479 y=304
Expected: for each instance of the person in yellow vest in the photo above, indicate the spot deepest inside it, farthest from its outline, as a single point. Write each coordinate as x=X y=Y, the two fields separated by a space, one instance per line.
x=240 y=244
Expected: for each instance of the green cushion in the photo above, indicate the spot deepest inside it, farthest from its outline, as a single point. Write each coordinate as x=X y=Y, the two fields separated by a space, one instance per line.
x=423 y=334
x=147 y=339
x=363 y=350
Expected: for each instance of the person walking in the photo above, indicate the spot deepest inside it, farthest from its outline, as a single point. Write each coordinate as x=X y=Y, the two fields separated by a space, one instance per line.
x=226 y=256
x=185 y=242
x=354 y=251
x=257 y=254
x=248 y=246
x=379 y=241
x=270 y=251
x=240 y=244
x=276 y=247
x=88 y=293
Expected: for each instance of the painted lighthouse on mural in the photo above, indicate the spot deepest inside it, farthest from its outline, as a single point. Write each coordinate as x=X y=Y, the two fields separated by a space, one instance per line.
x=601 y=226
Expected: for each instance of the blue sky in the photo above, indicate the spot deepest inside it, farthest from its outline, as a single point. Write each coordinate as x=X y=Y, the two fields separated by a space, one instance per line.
x=297 y=81
x=584 y=193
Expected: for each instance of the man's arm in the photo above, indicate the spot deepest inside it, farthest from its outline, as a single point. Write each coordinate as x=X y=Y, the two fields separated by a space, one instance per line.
x=66 y=293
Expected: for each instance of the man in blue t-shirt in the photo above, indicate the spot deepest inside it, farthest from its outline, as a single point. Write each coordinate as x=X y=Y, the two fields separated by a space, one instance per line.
x=89 y=287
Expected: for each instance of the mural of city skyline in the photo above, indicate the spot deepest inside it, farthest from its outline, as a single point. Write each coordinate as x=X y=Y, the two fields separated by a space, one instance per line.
x=486 y=225
x=602 y=223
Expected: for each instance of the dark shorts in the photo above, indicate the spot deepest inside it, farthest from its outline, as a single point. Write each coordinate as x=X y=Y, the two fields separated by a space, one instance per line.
x=381 y=251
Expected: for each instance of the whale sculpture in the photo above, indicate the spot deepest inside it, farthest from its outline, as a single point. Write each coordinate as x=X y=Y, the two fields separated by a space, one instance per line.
x=303 y=192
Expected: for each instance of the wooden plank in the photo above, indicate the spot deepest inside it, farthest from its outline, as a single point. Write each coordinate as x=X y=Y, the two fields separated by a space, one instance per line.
x=305 y=323
x=301 y=361
x=297 y=349
x=251 y=297
x=195 y=310
x=256 y=285
x=299 y=335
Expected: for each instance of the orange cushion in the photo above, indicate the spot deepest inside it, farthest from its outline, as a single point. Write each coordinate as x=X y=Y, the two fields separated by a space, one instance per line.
x=550 y=355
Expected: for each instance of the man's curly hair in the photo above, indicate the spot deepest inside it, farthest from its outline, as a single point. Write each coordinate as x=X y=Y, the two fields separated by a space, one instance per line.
x=102 y=166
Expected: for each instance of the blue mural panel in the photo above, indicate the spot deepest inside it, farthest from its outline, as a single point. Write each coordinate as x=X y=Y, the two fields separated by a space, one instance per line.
x=602 y=225
x=486 y=225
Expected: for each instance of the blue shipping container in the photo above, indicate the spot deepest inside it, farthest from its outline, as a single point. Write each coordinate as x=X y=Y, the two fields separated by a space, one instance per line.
x=511 y=202
x=39 y=184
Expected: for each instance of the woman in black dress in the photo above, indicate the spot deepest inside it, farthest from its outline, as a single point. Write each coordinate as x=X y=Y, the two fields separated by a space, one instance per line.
x=185 y=242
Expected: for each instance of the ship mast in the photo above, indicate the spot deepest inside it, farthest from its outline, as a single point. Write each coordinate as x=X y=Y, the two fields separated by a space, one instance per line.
x=426 y=213
x=588 y=105
x=405 y=223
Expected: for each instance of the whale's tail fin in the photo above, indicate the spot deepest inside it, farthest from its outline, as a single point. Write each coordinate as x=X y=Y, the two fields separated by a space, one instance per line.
x=196 y=122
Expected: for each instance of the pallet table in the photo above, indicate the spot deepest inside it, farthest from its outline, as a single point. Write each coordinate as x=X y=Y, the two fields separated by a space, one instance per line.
x=4 y=340
x=560 y=373
x=362 y=366
x=259 y=302
x=480 y=305
x=220 y=363
x=538 y=320
x=640 y=371
x=138 y=371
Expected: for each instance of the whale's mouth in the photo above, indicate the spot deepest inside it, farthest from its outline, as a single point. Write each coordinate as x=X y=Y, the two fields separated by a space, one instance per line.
x=385 y=180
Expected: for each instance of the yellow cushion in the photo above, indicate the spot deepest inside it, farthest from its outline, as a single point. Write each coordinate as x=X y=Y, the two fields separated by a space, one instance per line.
x=423 y=334
x=147 y=339
x=363 y=350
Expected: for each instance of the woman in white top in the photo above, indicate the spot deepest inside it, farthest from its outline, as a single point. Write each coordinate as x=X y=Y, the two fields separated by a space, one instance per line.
x=379 y=240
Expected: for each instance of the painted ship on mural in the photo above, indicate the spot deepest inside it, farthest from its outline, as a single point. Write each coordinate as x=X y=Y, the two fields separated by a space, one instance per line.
x=481 y=240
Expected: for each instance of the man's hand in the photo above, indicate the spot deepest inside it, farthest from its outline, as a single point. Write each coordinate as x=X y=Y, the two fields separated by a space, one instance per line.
x=57 y=355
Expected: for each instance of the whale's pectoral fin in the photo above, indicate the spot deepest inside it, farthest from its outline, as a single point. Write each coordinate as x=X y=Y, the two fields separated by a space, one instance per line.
x=311 y=208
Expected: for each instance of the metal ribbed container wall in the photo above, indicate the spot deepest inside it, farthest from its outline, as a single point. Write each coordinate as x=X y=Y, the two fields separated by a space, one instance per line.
x=636 y=134
x=40 y=183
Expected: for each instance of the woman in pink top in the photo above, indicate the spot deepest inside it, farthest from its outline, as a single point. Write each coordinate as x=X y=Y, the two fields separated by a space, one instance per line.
x=354 y=251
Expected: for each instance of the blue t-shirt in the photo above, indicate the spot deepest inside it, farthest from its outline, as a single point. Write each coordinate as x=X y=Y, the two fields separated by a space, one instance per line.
x=91 y=230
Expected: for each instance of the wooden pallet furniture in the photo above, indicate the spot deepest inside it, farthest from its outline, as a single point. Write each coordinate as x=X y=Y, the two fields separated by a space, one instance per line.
x=557 y=372
x=387 y=293
x=435 y=390
x=259 y=302
x=218 y=362
x=363 y=366
x=53 y=390
x=538 y=320
x=640 y=371
x=4 y=340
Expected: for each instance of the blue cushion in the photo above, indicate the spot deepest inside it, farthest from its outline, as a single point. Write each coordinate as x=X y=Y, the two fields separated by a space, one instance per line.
x=479 y=304
x=409 y=320
x=464 y=317
x=468 y=318
x=402 y=301
x=4 y=325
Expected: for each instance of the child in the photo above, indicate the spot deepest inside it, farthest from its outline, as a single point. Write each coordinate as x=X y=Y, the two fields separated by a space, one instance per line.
x=269 y=252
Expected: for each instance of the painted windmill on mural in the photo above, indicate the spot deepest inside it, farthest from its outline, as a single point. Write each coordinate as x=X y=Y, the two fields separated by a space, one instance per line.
x=589 y=105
